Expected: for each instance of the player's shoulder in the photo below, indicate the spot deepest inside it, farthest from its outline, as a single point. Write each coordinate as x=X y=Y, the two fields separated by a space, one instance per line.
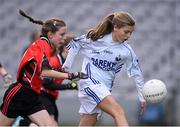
x=127 y=46
x=128 y=49
x=81 y=38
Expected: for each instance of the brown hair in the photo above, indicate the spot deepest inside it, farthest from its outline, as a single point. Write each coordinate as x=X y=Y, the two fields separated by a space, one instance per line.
x=52 y=25
x=68 y=38
x=120 y=19
x=49 y=25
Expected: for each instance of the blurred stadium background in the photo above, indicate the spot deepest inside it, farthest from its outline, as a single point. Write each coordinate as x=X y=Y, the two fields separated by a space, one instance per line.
x=155 y=40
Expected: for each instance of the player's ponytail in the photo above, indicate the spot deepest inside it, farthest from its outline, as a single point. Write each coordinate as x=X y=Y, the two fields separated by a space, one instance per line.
x=103 y=28
x=21 y=12
x=50 y=25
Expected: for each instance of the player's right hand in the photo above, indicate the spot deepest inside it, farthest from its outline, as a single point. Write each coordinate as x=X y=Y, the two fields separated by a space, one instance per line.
x=143 y=107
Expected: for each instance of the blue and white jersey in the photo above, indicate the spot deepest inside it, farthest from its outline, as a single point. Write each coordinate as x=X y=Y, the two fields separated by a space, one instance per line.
x=103 y=59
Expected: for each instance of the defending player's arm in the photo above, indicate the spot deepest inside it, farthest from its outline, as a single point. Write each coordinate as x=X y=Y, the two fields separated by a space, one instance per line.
x=48 y=72
x=50 y=84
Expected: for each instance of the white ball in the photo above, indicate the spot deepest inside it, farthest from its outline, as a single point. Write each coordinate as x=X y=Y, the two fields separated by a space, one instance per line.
x=154 y=91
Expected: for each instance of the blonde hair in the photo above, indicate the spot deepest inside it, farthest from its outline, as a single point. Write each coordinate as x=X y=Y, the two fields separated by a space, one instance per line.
x=118 y=19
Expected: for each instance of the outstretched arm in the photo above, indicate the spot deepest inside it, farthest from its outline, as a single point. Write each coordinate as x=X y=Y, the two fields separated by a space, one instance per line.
x=56 y=74
x=50 y=84
x=134 y=70
x=47 y=71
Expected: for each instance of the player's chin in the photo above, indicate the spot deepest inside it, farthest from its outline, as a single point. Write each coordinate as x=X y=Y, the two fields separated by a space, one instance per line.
x=125 y=40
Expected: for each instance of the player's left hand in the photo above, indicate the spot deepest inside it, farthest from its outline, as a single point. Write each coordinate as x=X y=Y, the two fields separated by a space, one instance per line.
x=143 y=107
x=73 y=85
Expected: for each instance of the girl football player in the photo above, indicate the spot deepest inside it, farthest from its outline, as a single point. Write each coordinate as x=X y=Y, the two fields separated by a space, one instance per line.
x=105 y=50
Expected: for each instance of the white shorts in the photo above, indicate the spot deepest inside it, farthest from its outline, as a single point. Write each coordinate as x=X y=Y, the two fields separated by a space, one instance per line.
x=90 y=97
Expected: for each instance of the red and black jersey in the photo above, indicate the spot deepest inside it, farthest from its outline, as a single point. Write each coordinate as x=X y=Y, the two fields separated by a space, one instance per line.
x=31 y=64
x=56 y=65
